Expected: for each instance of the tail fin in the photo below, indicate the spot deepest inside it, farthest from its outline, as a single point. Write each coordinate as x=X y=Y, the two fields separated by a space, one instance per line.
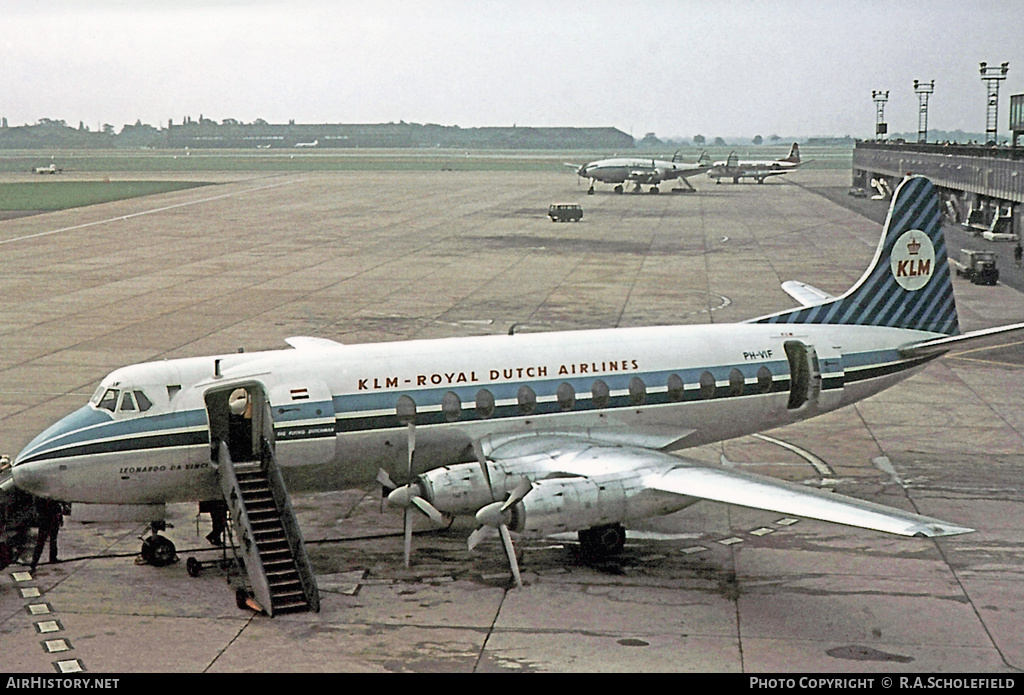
x=794 y=154
x=908 y=284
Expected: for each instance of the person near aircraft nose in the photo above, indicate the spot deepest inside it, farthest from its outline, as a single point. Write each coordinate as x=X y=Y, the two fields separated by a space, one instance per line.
x=50 y=517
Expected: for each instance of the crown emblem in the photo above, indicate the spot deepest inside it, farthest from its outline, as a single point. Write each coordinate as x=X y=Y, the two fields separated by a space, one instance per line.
x=913 y=246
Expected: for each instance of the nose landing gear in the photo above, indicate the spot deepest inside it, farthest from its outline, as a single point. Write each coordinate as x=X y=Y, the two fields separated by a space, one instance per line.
x=158 y=550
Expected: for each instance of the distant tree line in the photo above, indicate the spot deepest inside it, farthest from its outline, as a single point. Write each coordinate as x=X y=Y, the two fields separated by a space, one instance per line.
x=232 y=133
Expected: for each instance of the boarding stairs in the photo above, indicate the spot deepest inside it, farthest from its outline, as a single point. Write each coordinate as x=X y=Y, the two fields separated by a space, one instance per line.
x=269 y=541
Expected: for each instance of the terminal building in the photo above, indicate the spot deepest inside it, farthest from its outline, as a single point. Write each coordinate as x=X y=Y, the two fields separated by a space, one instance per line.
x=982 y=185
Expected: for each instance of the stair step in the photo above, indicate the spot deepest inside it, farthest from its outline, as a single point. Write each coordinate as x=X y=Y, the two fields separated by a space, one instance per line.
x=293 y=597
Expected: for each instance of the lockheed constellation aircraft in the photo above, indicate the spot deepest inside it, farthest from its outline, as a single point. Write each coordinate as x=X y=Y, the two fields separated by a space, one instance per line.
x=531 y=433
x=758 y=169
x=641 y=171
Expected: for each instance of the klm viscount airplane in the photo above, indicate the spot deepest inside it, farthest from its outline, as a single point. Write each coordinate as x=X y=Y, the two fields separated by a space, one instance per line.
x=531 y=433
x=758 y=169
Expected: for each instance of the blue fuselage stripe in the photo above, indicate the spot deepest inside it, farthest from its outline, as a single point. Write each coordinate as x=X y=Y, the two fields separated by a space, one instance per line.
x=363 y=412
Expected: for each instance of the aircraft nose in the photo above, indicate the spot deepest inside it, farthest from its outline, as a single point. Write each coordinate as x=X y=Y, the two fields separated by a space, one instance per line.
x=28 y=478
x=33 y=467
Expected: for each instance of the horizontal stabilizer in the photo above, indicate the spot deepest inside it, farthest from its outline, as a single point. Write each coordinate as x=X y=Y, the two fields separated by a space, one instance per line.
x=770 y=494
x=986 y=337
x=807 y=295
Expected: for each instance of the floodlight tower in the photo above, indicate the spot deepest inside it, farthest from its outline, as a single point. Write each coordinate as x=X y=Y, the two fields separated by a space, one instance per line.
x=923 y=89
x=881 y=128
x=992 y=76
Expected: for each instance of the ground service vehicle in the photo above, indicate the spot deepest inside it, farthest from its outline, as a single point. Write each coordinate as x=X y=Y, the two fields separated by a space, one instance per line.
x=978 y=266
x=565 y=212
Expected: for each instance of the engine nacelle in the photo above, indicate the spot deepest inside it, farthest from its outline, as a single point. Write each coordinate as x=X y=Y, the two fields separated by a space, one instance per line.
x=455 y=490
x=462 y=488
x=569 y=504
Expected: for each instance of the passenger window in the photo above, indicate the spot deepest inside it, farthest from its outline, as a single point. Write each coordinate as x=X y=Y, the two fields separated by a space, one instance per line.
x=127 y=402
x=405 y=409
x=566 y=396
x=675 y=388
x=527 y=400
x=764 y=380
x=109 y=400
x=707 y=385
x=601 y=394
x=735 y=383
x=637 y=391
x=484 y=403
x=451 y=406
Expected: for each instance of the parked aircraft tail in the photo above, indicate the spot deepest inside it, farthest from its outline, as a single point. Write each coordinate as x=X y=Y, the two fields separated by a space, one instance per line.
x=908 y=284
x=794 y=154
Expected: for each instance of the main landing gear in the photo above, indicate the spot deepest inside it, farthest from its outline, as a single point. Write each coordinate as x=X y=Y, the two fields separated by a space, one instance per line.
x=602 y=541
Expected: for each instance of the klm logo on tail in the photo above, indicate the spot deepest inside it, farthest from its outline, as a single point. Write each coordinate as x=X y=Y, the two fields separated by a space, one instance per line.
x=913 y=258
x=908 y=284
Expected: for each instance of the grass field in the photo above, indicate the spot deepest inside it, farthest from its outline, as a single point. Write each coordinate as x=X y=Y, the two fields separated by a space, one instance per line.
x=60 y=195
x=52 y=193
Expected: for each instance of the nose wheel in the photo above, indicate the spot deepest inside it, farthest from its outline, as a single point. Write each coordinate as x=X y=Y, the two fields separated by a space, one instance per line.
x=158 y=550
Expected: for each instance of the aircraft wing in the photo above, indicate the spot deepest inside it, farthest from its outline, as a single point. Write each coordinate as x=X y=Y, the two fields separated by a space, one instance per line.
x=558 y=456
x=807 y=295
x=760 y=492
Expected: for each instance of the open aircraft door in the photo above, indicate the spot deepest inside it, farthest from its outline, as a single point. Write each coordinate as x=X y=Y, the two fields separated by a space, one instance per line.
x=804 y=375
x=817 y=375
x=239 y=415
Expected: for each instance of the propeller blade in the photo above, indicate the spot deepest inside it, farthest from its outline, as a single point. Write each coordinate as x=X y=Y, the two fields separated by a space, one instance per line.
x=481 y=534
x=478 y=450
x=412 y=449
x=385 y=480
x=428 y=509
x=506 y=540
x=518 y=493
x=407 y=522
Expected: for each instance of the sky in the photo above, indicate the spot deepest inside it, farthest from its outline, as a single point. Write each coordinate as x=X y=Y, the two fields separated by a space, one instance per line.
x=676 y=68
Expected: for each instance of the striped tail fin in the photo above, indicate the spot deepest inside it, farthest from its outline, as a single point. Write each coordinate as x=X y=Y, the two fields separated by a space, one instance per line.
x=908 y=284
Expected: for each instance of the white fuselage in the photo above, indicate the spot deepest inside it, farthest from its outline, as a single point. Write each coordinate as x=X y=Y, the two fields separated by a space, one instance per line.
x=647 y=171
x=340 y=413
x=755 y=169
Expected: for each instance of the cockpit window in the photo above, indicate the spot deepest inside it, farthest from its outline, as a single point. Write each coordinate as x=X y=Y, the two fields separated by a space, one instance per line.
x=127 y=402
x=143 y=402
x=109 y=400
x=131 y=400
